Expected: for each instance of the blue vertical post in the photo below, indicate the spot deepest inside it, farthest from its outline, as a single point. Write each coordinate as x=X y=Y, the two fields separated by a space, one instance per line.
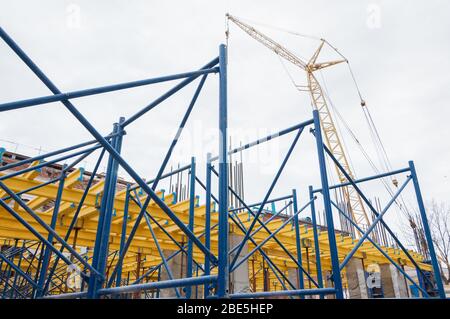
x=100 y=255
x=223 y=263
x=327 y=205
x=48 y=252
x=16 y=274
x=6 y=280
x=316 y=240
x=159 y=279
x=123 y=236
x=426 y=229
x=38 y=268
x=421 y=283
x=207 y=221
x=190 y=248
x=301 y=281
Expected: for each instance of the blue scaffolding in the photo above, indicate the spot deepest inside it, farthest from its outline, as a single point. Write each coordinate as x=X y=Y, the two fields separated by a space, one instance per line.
x=98 y=283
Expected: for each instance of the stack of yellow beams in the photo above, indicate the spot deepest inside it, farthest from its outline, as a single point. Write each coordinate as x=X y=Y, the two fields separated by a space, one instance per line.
x=143 y=242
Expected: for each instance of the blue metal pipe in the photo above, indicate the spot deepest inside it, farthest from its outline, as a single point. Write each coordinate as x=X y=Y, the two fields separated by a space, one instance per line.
x=266 y=197
x=223 y=269
x=316 y=240
x=426 y=229
x=298 y=292
x=269 y=201
x=98 y=90
x=18 y=270
x=301 y=281
x=243 y=229
x=43 y=224
x=182 y=249
x=16 y=274
x=42 y=156
x=152 y=195
x=30 y=189
x=123 y=236
x=171 y=173
x=99 y=258
x=399 y=268
x=169 y=93
x=271 y=264
x=184 y=282
x=366 y=179
x=328 y=212
x=369 y=204
x=158 y=247
x=47 y=253
x=190 y=251
x=372 y=226
x=287 y=221
x=75 y=216
x=267 y=229
x=71 y=295
x=28 y=169
x=264 y=223
x=267 y=138
x=207 y=221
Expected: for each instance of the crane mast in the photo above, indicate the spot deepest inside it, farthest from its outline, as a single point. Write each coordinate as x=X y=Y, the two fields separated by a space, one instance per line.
x=354 y=202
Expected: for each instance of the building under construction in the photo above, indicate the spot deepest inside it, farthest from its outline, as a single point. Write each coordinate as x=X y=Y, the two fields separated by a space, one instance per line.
x=66 y=232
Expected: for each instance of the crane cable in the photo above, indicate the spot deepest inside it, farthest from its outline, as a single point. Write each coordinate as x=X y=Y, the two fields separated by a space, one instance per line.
x=379 y=147
x=308 y=36
x=376 y=139
x=400 y=202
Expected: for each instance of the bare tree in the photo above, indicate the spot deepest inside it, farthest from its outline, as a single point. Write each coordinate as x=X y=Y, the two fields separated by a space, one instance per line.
x=439 y=220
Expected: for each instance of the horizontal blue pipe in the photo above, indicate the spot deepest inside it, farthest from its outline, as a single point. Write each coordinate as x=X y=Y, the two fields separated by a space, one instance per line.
x=366 y=179
x=178 y=170
x=53 y=153
x=159 y=285
x=268 y=138
x=71 y=295
x=267 y=202
x=98 y=90
x=297 y=292
x=32 y=168
x=32 y=188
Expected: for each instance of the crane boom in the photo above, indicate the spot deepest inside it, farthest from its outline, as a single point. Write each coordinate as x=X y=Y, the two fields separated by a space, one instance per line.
x=354 y=202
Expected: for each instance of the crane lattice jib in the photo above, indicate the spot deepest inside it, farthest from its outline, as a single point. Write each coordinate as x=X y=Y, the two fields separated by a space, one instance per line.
x=333 y=142
x=354 y=202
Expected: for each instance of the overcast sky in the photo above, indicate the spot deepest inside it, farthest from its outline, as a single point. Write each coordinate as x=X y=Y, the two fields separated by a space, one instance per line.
x=398 y=50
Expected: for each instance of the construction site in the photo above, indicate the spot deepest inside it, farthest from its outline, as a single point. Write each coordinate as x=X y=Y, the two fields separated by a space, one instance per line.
x=190 y=232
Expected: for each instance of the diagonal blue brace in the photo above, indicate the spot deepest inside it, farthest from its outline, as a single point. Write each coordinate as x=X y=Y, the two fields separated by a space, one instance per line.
x=426 y=228
x=287 y=221
x=369 y=204
x=272 y=186
x=152 y=195
x=372 y=226
x=399 y=268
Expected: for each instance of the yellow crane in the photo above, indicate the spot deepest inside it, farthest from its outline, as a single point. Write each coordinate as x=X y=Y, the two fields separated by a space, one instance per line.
x=353 y=200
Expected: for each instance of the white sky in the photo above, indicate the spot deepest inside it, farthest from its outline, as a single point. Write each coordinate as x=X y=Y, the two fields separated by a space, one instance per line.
x=399 y=52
